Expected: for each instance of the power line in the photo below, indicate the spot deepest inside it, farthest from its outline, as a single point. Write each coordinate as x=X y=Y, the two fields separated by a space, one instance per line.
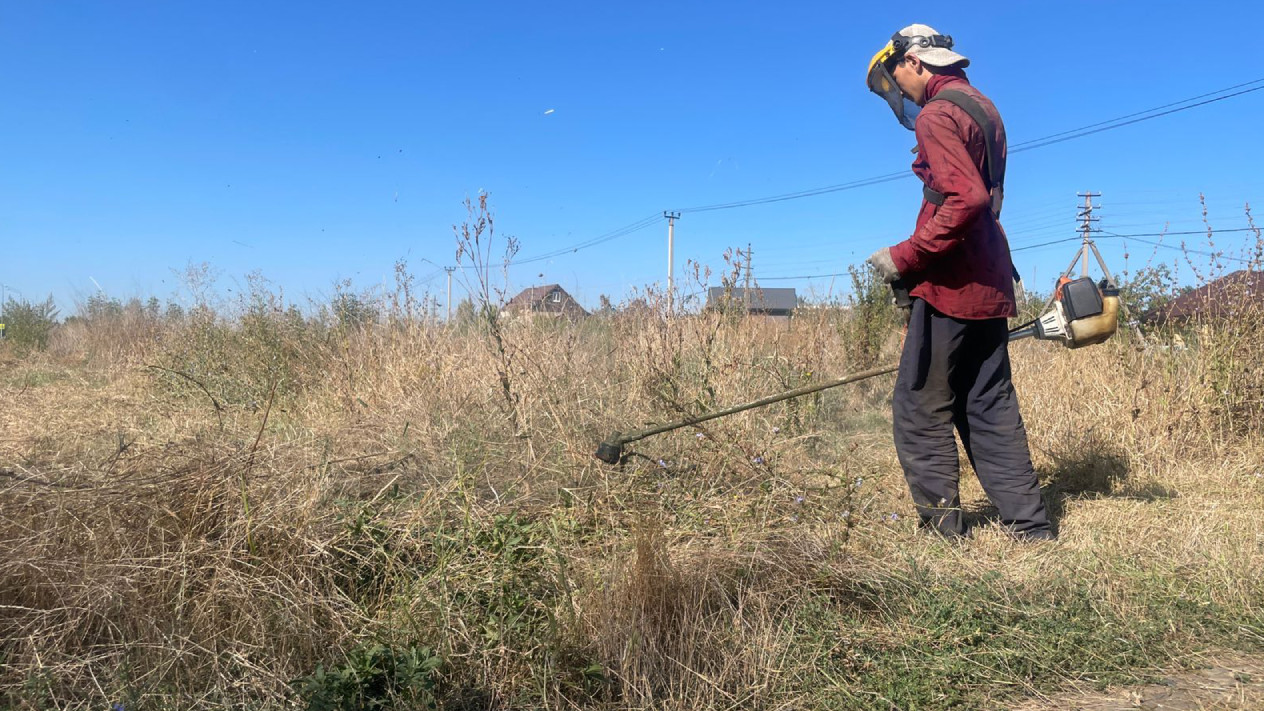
x=812 y=192
x=1090 y=129
x=1044 y=244
x=1178 y=234
x=805 y=276
x=1137 y=236
x=1188 y=250
x=1051 y=139
x=1060 y=225
x=1020 y=146
x=614 y=234
x=1033 y=144
x=429 y=277
x=606 y=237
x=788 y=259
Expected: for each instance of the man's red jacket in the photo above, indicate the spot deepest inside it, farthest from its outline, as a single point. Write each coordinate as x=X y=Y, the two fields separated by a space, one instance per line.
x=958 y=258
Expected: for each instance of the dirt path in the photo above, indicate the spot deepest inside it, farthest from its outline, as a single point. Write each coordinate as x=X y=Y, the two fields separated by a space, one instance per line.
x=1235 y=682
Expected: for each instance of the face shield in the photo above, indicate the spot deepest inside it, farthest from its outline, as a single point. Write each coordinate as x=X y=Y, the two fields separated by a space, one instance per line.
x=883 y=84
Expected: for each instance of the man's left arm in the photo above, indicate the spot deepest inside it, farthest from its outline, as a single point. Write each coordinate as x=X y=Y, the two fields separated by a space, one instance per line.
x=954 y=174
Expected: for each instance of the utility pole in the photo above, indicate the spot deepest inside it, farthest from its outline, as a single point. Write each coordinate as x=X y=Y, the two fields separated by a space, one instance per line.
x=4 y=304
x=1086 y=230
x=1086 y=227
x=1081 y=257
x=671 y=260
x=449 y=270
x=746 y=295
x=4 y=297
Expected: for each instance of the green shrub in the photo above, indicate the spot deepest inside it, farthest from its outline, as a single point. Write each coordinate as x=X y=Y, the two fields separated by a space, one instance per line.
x=375 y=676
x=874 y=315
x=28 y=324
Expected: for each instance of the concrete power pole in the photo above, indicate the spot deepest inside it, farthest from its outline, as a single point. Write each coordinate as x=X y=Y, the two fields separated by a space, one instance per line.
x=449 y=270
x=746 y=293
x=671 y=259
x=4 y=296
x=1086 y=226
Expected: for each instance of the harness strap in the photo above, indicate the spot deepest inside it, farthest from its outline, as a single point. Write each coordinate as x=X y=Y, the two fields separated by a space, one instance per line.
x=994 y=161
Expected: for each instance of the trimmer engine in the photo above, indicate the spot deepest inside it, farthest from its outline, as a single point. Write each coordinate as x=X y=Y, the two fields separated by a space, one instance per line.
x=1084 y=314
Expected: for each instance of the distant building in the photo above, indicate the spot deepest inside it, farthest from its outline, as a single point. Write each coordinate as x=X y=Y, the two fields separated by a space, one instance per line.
x=1220 y=299
x=550 y=300
x=774 y=303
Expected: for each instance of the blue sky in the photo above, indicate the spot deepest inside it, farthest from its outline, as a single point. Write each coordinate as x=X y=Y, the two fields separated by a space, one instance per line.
x=319 y=141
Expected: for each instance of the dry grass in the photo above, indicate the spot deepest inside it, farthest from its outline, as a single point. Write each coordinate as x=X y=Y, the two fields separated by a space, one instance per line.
x=234 y=512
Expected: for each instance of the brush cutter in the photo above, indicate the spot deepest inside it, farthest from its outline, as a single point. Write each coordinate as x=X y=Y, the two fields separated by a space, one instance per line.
x=1083 y=313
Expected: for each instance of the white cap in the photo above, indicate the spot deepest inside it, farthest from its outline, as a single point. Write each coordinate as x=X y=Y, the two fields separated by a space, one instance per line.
x=934 y=56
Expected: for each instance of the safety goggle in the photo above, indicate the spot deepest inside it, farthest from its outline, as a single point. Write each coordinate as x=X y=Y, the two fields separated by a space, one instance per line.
x=902 y=44
x=899 y=46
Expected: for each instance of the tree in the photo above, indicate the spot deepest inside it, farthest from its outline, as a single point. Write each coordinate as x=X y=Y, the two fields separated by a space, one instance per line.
x=350 y=310
x=1149 y=290
x=465 y=316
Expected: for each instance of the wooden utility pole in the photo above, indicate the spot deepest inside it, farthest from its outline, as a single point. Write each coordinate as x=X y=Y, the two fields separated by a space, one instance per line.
x=671 y=260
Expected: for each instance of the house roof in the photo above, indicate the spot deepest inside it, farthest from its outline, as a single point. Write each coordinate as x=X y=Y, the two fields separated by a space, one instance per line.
x=760 y=299
x=1220 y=298
x=534 y=296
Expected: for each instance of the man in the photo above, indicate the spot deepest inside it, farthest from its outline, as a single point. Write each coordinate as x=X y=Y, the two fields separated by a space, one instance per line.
x=954 y=370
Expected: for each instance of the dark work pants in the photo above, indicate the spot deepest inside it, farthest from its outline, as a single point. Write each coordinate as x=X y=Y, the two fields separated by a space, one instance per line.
x=955 y=373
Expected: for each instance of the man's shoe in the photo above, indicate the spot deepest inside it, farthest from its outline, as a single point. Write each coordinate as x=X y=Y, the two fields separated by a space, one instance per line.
x=1038 y=535
x=927 y=528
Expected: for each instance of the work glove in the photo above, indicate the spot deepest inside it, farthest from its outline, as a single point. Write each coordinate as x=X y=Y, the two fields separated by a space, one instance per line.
x=881 y=260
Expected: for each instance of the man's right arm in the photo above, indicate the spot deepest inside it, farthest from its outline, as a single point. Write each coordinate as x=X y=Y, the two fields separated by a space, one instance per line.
x=955 y=175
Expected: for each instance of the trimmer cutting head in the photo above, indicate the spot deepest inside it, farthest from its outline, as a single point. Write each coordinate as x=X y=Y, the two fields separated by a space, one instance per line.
x=611 y=450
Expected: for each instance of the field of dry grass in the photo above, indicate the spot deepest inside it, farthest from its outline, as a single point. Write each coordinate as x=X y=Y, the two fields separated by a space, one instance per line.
x=253 y=509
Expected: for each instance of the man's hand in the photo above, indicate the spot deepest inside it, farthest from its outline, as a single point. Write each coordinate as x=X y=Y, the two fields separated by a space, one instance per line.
x=881 y=260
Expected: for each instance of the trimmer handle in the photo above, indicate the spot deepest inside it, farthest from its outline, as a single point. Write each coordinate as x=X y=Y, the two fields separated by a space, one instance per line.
x=900 y=291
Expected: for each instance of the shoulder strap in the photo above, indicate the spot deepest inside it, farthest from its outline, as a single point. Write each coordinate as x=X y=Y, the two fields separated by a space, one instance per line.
x=994 y=161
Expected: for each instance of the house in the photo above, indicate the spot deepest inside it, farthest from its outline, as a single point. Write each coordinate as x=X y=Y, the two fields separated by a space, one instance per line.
x=777 y=304
x=550 y=299
x=1222 y=298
